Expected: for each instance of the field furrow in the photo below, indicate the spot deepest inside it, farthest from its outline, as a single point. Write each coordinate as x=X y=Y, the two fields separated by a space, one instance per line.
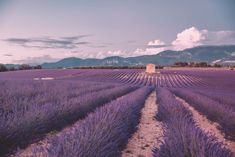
x=18 y=129
x=102 y=133
x=212 y=109
x=208 y=126
x=149 y=131
x=182 y=137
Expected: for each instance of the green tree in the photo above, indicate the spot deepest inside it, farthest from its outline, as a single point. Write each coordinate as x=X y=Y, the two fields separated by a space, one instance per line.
x=3 y=68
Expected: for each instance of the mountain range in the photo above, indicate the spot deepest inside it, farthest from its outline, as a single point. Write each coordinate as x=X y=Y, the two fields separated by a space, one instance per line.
x=210 y=54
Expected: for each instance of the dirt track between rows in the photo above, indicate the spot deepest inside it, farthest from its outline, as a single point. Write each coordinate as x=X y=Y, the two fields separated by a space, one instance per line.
x=208 y=126
x=149 y=132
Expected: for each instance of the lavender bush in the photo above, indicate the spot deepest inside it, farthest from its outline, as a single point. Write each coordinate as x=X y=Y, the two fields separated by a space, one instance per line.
x=224 y=97
x=214 y=111
x=102 y=133
x=20 y=94
x=182 y=138
x=29 y=109
x=20 y=125
x=30 y=74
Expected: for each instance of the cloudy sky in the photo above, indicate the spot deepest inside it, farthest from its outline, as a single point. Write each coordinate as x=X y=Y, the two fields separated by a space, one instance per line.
x=35 y=31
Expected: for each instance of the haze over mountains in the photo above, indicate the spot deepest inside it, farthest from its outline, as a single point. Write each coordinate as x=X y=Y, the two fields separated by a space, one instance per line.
x=209 y=54
x=224 y=55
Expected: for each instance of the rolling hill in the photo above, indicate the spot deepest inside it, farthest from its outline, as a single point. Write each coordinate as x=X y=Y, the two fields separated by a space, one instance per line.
x=209 y=54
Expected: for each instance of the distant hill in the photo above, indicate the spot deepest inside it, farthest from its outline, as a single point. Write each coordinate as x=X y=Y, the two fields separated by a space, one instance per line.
x=224 y=55
x=12 y=65
x=209 y=54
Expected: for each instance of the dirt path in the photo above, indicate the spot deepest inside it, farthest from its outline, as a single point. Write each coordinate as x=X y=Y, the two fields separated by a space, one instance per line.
x=149 y=133
x=208 y=126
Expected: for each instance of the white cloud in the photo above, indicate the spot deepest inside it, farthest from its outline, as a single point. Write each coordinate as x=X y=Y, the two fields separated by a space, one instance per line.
x=188 y=38
x=103 y=54
x=220 y=38
x=37 y=60
x=139 y=52
x=156 y=43
x=222 y=35
x=154 y=47
x=150 y=51
x=192 y=37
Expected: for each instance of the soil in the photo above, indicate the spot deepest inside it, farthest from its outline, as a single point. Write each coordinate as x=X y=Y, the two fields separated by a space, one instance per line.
x=141 y=144
x=149 y=133
x=209 y=126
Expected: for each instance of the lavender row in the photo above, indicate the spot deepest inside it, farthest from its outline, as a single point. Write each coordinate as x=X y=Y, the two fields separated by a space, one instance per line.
x=226 y=98
x=19 y=95
x=213 y=110
x=30 y=74
x=21 y=127
x=222 y=79
x=182 y=137
x=142 y=79
x=102 y=133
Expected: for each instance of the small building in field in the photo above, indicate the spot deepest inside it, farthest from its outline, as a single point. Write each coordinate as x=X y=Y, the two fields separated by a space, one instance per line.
x=150 y=68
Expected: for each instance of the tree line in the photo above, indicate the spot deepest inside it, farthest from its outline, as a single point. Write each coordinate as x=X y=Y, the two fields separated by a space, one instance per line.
x=176 y=64
x=114 y=67
x=4 y=68
x=195 y=64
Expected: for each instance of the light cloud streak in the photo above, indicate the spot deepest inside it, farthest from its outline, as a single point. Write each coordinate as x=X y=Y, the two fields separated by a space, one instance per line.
x=49 y=42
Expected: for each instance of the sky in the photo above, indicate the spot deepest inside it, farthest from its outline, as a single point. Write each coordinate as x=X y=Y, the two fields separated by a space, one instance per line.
x=37 y=31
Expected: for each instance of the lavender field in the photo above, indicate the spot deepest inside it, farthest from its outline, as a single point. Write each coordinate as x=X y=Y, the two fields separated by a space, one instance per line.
x=97 y=113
